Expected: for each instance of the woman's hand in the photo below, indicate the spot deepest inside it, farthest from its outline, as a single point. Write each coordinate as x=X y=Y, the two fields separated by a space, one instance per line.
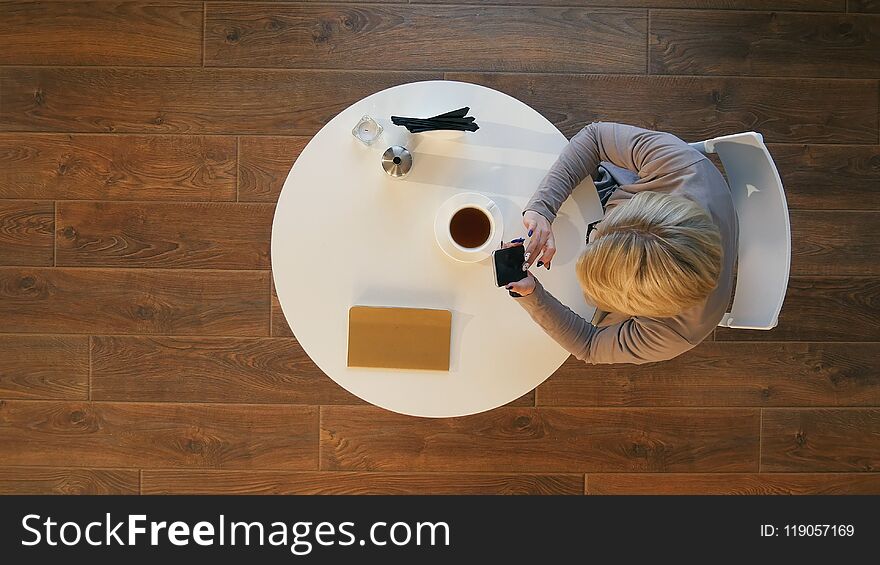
x=541 y=241
x=525 y=286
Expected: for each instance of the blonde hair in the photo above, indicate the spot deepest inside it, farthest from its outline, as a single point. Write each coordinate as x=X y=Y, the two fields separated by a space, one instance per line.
x=653 y=255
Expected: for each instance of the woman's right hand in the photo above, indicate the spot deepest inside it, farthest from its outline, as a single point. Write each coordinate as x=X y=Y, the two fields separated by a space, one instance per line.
x=542 y=245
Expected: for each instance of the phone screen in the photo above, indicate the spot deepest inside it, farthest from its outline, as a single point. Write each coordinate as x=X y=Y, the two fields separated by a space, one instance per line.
x=508 y=264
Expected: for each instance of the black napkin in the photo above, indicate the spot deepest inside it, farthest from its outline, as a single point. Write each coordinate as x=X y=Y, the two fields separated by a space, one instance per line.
x=454 y=120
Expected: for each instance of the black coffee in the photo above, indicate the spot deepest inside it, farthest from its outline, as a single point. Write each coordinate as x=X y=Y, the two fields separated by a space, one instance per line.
x=470 y=227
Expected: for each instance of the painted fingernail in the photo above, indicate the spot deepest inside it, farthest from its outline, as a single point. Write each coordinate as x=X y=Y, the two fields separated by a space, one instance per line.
x=525 y=266
x=530 y=233
x=517 y=240
x=527 y=256
x=548 y=266
x=540 y=263
x=508 y=287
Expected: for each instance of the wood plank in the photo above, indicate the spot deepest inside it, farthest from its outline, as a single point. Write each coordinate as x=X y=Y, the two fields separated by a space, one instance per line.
x=821 y=309
x=866 y=6
x=727 y=374
x=264 y=163
x=202 y=369
x=807 y=5
x=784 y=110
x=117 y=167
x=530 y=39
x=134 y=301
x=366 y=438
x=528 y=399
x=815 y=440
x=164 y=235
x=137 y=435
x=183 y=100
x=764 y=44
x=734 y=483
x=835 y=243
x=101 y=33
x=829 y=177
x=27 y=233
x=280 y=328
x=44 y=367
x=259 y=482
x=312 y=1
x=41 y=480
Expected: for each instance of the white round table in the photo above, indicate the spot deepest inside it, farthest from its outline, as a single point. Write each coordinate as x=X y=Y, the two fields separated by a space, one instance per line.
x=345 y=234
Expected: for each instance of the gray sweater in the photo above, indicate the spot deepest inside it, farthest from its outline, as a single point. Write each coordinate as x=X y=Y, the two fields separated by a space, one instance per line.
x=664 y=163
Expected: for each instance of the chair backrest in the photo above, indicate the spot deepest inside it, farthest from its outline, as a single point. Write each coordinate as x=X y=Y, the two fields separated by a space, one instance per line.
x=764 y=229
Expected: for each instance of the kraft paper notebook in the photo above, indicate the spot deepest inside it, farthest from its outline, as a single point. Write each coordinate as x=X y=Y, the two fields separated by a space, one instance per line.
x=399 y=338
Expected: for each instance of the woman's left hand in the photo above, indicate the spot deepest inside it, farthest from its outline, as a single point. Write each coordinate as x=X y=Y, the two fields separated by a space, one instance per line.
x=525 y=286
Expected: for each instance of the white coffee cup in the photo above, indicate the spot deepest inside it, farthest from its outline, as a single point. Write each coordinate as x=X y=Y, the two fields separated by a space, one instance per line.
x=460 y=227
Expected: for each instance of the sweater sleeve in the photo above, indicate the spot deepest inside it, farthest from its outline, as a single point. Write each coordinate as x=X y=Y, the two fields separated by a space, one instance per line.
x=650 y=154
x=636 y=340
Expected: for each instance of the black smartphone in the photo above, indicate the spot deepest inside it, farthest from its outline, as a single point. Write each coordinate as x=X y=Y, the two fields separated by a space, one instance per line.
x=507 y=264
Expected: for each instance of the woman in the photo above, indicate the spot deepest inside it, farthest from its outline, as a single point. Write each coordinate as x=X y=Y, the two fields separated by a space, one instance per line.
x=660 y=265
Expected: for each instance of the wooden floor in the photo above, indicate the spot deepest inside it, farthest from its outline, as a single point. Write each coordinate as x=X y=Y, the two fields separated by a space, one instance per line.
x=143 y=145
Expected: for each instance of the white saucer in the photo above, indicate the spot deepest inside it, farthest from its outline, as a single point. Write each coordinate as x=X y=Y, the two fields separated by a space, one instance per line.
x=440 y=227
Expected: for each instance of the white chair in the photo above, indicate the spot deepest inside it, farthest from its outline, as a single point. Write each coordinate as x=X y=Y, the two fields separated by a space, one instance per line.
x=764 y=229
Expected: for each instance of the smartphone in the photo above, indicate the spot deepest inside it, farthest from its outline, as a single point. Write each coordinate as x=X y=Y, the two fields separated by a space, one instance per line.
x=507 y=264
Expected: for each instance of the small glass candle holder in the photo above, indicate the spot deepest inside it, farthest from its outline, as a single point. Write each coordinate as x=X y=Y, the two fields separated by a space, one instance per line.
x=367 y=130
